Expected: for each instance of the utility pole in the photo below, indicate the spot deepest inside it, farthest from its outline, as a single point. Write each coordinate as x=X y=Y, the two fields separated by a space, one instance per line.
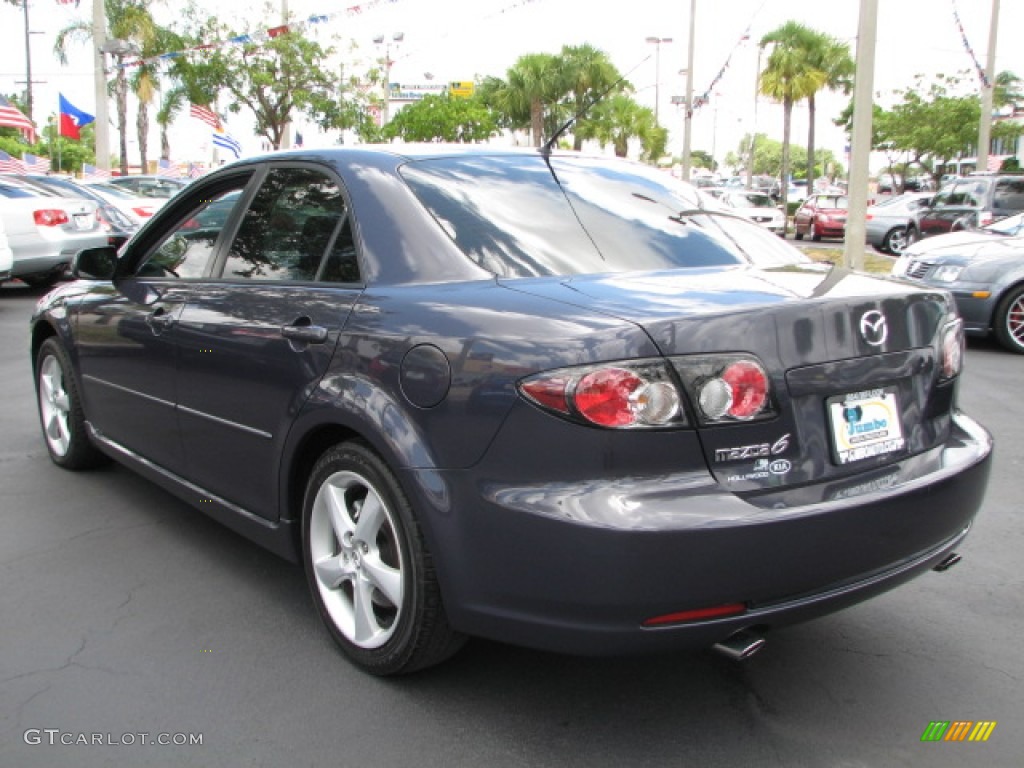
x=99 y=42
x=860 y=143
x=688 y=119
x=987 y=89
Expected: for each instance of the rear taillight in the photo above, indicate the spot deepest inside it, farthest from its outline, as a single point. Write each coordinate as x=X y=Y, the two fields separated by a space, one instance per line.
x=951 y=350
x=633 y=395
x=50 y=217
x=727 y=388
x=192 y=223
x=142 y=212
x=985 y=218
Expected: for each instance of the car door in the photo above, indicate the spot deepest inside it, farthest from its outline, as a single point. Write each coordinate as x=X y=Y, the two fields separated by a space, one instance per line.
x=128 y=339
x=260 y=337
x=804 y=214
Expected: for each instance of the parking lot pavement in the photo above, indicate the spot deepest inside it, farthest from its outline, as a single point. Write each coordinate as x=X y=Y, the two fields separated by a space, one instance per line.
x=128 y=616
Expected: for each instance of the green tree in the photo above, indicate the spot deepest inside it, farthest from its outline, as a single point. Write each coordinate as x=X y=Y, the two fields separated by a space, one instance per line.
x=443 y=118
x=788 y=77
x=1008 y=90
x=586 y=74
x=620 y=118
x=831 y=57
x=128 y=20
x=533 y=85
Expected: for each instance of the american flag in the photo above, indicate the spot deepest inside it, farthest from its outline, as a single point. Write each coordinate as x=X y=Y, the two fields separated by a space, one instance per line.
x=35 y=164
x=93 y=173
x=12 y=117
x=194 y=170
x=995 y=162
x=205 y=114
x=9 y=164
x=168 y=170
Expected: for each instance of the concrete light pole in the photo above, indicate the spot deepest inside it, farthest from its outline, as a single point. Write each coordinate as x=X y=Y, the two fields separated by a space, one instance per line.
x=688 y=120
x=987 y=91
x=396 y=38
x=99 y=40
x=860 y=143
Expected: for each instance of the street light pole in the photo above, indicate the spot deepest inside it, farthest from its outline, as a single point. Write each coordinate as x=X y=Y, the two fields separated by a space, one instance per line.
x=657 y=41
x=396 y=38
x=688 y=123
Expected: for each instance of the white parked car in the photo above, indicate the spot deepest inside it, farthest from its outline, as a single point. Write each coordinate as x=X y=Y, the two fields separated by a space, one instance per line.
x=6 y=254
x=758 y=207
x=45 y=232
x=132 y=205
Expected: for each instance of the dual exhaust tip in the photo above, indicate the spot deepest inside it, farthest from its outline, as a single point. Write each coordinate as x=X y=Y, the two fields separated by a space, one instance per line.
x=745 y=643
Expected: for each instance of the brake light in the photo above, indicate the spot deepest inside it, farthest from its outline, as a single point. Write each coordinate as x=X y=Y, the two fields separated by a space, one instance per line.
x=627 y=396
x=50 y=217
x=699 y=614
x=192 y=223
x=985 y=218
x=739 y=391
x=146 y=212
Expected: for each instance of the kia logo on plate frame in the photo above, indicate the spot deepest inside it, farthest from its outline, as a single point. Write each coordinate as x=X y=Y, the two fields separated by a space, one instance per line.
x=873 y=328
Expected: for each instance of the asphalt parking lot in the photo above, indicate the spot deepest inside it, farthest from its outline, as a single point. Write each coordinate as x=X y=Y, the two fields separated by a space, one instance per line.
x=129 y=619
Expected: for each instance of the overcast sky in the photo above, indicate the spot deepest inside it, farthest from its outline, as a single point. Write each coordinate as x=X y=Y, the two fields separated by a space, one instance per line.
x=461 y=39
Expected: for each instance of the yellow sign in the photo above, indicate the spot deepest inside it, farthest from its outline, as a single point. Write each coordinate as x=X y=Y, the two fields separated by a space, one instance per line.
x=461 y=89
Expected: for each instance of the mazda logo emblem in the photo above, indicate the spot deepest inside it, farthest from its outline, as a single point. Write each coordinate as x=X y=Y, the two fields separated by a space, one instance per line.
x=874 y=328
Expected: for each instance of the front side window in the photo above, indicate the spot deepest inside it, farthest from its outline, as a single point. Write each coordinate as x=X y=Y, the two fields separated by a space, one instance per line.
x=186 y=250
x=296 y=229
x=1009 y=195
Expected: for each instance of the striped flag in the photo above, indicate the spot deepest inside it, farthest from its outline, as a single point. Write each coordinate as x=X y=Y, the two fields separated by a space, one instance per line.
x=167 y=170
x=9 y=164
x=12 y=117
x=194 y=170
x=225 y=140
x=35 y=164
x=205 y=114
x=93 y=173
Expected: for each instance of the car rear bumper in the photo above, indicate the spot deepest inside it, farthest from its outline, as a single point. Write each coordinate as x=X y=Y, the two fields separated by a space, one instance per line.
x=580 y=566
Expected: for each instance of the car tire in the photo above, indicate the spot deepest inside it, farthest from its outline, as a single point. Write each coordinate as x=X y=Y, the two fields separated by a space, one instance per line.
x=912 y=237
x=813 y=233
x=1009 y=320
x=895 y=241
x=372 y=577
x=797 y=234
x=60 y=410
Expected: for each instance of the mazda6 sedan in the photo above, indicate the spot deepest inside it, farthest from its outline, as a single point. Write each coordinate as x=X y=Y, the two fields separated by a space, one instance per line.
x=537 y=397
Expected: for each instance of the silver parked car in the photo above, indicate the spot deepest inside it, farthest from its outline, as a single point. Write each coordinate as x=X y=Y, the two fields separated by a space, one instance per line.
x=758 y=207
x=984 y=270
x=46 y=232
x=887 y=221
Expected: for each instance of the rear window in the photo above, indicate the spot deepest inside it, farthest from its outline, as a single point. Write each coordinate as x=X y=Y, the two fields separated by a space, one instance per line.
x=519 y=216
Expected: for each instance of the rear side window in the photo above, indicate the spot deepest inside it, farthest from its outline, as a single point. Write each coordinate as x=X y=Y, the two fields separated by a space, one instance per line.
x=1009 y=195
x=296 y=229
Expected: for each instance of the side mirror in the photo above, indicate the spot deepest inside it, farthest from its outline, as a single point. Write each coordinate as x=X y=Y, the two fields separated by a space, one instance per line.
x=95 y=263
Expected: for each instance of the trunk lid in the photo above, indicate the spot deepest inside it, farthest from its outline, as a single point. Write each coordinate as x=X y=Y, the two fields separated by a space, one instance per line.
x=844 y=352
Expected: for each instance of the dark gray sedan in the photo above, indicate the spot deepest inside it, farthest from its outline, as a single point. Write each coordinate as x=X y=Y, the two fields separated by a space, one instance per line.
x=538 y=397
x=984 y=269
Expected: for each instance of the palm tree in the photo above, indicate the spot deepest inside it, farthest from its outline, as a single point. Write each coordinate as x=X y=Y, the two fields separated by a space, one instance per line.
x=832 y=57
x=127 y=20
x=171 y=104
x=789 y=77
x=1008 y=89
x=533 y=84
x=618 y=119
x=587 y=74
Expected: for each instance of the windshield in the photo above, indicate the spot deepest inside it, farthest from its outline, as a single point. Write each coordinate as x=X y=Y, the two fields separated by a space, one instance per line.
x=1011 y=225
x=751 y=200
x=516 y=216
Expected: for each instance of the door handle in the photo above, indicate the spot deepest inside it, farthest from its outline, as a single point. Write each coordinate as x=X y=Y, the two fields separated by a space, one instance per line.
x=159 y=320
x=310 y=334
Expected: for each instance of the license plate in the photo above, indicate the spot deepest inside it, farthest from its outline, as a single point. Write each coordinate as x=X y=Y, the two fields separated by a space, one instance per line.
x=83 y=220
x=865 y=424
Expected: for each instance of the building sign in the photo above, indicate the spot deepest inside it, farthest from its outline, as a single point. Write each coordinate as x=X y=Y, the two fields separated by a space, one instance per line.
x=405 y=92
x=461 y=89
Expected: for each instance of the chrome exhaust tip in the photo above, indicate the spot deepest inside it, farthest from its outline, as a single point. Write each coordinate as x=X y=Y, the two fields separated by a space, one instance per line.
x=948 y=562
x=741 y=645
